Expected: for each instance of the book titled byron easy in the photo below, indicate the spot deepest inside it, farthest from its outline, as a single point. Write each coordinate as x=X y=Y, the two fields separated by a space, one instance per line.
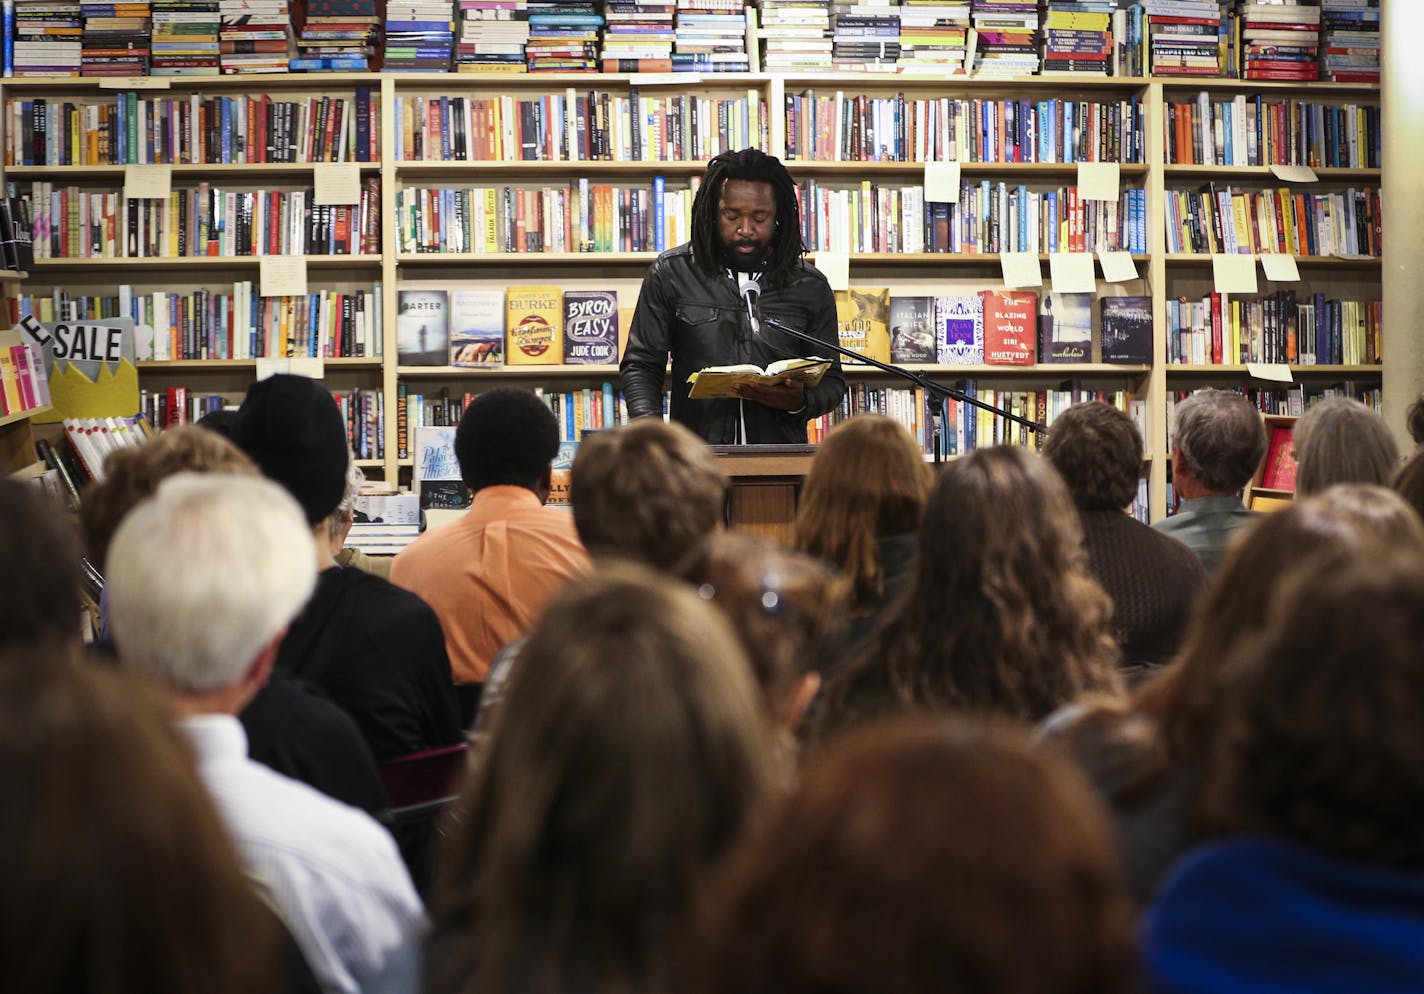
x=590 y=327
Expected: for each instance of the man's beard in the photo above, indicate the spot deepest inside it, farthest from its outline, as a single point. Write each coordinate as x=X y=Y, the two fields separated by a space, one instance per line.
x=746 y=263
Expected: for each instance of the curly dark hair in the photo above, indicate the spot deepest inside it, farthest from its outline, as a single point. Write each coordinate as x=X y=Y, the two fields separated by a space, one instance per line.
x=1323 y=743
x=755 y=166
x=507 y=436
x=1098 y=451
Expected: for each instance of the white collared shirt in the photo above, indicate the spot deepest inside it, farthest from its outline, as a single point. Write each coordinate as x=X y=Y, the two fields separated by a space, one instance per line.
x=332 y=872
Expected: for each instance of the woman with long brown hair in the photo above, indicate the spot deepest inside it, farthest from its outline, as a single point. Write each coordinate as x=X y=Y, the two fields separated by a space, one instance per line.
x=1001 y=616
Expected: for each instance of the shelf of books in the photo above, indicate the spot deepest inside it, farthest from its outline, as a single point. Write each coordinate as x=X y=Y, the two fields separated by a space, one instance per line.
x=1035 y=202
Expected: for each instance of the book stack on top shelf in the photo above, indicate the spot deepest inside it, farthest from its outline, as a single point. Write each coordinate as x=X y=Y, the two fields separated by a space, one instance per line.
x=116 y=37
x=1077 y=36
x=185 y=38
x=47 y=39
x=795 y=35
x=865 y=36
x=1280 y=41
x=1350 y=41
x=492 y=35
x=1007 y=37
x=255 y=36
x=934 y=36
x=337 y=36
x=1187 y=38
x=710 y=36
x=638 y=36
x=563 y=36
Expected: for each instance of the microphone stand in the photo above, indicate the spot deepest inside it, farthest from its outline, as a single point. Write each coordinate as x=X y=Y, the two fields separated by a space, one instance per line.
x=937 y=390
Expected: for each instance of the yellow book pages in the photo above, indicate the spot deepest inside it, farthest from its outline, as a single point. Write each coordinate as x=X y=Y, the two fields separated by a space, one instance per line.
x=720 y=381
x=534 y=326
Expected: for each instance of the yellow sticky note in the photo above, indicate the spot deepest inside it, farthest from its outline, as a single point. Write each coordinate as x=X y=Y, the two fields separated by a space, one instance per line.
x=1118 y=267
x=1233 y=273
x=148 y=182
x=1280 y=268
x=1295 y=174
x=267 y=366
x=835 y=266
x=942 y=182
x=1072 y=272
x=1099 y=181
x=1276 y=372
x=311 y=366
x=337 y=183
x=1020 y=269
x=668 y=78
x=133 y=83
x=283 y=275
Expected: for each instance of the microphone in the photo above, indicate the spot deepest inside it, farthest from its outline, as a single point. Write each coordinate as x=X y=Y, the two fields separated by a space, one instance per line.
x=750 y=290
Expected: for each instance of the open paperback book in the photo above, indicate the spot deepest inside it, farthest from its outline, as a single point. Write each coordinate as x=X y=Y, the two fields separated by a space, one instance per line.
x=718 y=381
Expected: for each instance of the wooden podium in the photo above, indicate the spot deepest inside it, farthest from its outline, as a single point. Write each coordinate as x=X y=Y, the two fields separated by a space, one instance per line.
x=766 y=480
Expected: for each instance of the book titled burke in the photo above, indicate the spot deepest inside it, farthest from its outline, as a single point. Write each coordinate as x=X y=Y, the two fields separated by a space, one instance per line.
x=534 y=325
x=1010 y=327
x=719 y=381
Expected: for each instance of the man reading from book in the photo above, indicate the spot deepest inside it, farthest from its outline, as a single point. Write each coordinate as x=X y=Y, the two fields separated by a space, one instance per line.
x=745 y=227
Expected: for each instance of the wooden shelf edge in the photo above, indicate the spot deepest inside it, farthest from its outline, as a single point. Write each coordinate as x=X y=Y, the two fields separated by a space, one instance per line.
x=205 y=261
x=499 y=372
x=1224 y=369
x=19 y=417
x=215 y=365
x=181 y=169
x=1060 y=370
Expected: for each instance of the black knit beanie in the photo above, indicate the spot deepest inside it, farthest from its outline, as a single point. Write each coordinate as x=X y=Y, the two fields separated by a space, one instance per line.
x=293 y=430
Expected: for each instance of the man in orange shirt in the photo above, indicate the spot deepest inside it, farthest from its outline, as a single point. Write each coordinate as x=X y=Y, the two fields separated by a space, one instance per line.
x=488 y=574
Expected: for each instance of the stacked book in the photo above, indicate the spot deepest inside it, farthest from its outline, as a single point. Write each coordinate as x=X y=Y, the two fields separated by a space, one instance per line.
x=795 y=35
x=1350 y=50
x=563 y=36
x=934 y=35
x=865 y=35
x=1077 y=36
x=420 y=36
x=1186 y=38
x=638 y=35
x=115 y=40
x=47 y=38
x=254 y=36
x=185 y=38
x=1280 y=40
x=337 y=36
x=1007 y=37
x=710 y=36
x=492 y=35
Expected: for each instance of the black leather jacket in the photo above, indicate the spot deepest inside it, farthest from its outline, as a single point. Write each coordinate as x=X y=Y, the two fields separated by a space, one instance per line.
x=703 y=321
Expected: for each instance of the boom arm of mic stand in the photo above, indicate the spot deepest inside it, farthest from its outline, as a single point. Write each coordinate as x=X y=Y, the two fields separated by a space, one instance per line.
x=917 y=378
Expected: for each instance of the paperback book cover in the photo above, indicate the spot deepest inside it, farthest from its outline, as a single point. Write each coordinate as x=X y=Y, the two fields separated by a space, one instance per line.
x=1279 y=473
x=863 y=321
x=959 y=321
x=1127 y=329
x=590 y=327
x=1065 y=326
x=534 y=325
x=912 y=337
x=437 y=470
x=1010 y=327
x=559 y=472
x=422 y=328
x=477 y=327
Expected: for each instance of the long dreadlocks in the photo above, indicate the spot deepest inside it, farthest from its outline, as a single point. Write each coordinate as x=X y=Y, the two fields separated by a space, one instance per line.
x=754 y=166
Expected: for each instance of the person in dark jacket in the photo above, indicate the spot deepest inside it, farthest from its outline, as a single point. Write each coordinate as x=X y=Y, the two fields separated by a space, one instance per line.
x=745 y=227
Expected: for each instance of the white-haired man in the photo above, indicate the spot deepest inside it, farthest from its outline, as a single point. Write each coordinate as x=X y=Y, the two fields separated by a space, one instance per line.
x=204 y=578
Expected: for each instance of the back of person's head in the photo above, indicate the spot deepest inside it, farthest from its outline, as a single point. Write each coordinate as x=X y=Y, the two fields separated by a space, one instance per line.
x=782 y=605
x=651 y=492
x=222 y=422
x=507 y=437
x=867 y=481
x=924 y=856
x=1323 y=743
x=292 y=429
x=130 y=475
x=39 y=585
x=1220 y=439
x=1187 y=697
x=628 y=755
x=1098 y=451
x=204 y=574
x=1408 y=482
x=119 y=877
x=1414 y=420
x=1339 y=440
x=1002 y=615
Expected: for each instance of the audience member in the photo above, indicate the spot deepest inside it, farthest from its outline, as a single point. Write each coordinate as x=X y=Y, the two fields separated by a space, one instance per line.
x=784 y=607
x=1152 y=578
x=1408 y=482
x=205 y=627
x=650 y=492
x=1146 y=755
x=1001 y=616
x=119 y=878
x=488 y=574
x=1414 y=420
x=39 y=585
x=1317 y=882
x=629 y=754
x=290 y=727
x=859 y=510
x=924 y=856
x=1339 y=440
x=375 y=649
x=339 y=526
x=1217 y=447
